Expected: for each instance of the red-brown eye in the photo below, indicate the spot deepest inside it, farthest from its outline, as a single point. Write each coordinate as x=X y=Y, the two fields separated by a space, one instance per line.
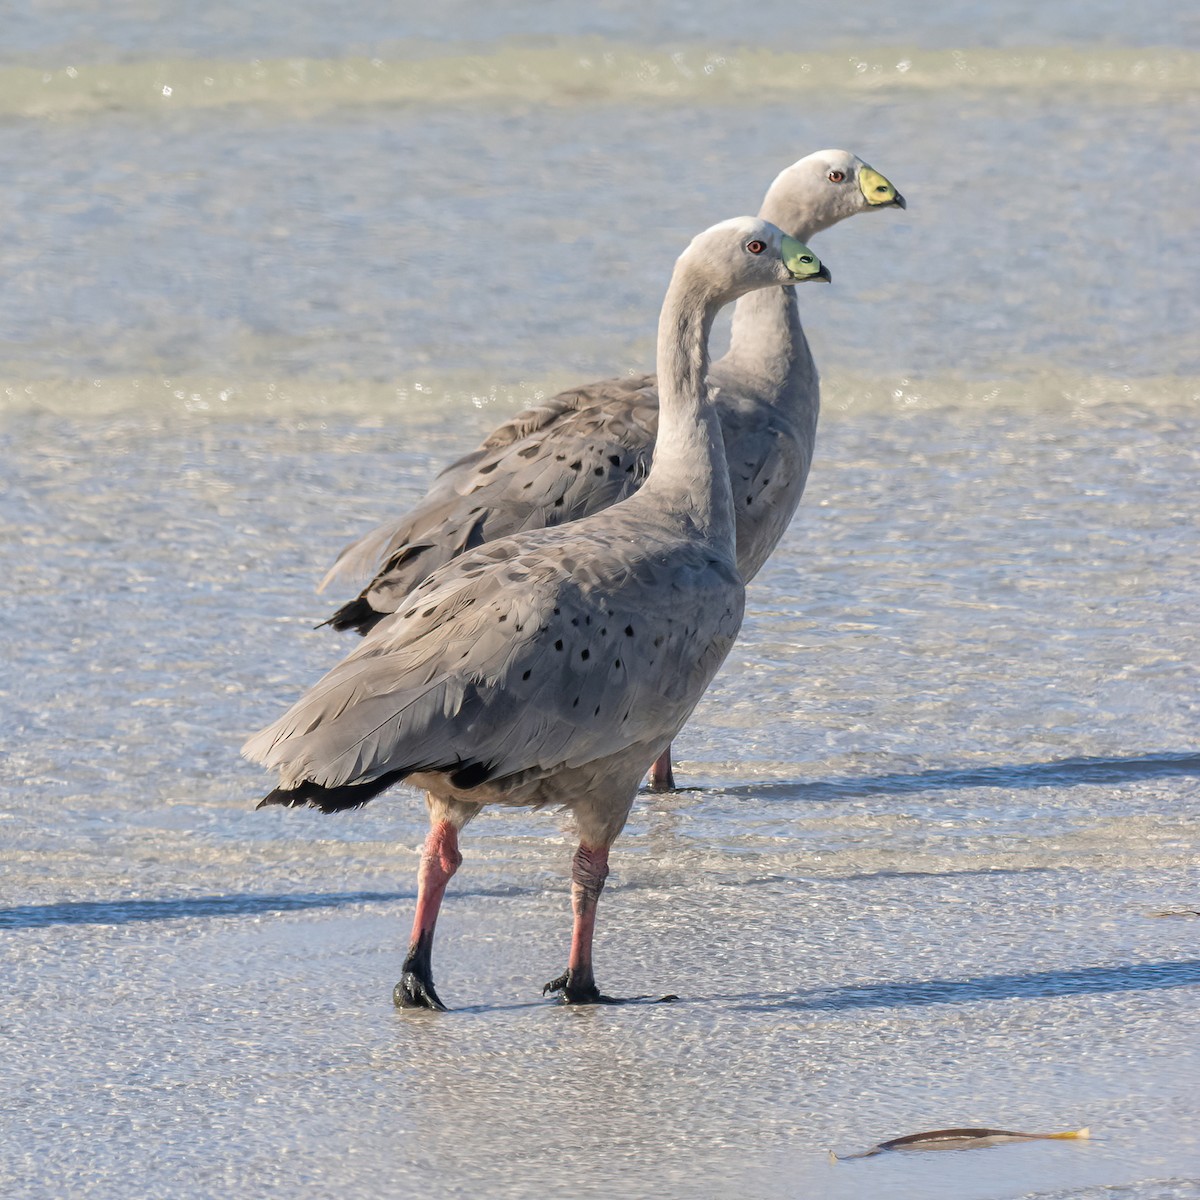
x=836 y=176
x=756 y=247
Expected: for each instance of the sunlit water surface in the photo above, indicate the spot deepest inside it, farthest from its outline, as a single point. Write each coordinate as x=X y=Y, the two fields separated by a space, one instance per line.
x=938 y=796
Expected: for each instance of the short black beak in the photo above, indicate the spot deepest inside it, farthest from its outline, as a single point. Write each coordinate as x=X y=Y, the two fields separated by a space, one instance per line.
x=823 y=273
x=899 y=201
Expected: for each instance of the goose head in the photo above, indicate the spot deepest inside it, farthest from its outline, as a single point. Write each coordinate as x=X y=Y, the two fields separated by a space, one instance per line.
x=748 y=253
x=824 y=188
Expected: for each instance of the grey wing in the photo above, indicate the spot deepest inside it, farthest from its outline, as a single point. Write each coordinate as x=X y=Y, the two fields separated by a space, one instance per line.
x=564 y=663
x=573 y=455
x=769 y=461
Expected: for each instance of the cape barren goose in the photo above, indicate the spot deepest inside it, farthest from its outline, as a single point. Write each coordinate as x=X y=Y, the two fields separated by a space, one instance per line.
x=552 y=667
x=585 y=449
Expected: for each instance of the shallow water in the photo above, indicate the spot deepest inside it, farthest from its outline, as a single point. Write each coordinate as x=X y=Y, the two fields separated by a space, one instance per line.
x=942 y=787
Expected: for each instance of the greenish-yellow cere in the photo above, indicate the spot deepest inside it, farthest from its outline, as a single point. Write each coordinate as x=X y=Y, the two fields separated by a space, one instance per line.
x=875 y=187
x=799 y=259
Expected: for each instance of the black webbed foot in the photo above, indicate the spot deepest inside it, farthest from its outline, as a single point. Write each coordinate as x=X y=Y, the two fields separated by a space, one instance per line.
x=415 y=989
x=413 y=992
x=580 y=992
x=556 y=985
x=576 y=991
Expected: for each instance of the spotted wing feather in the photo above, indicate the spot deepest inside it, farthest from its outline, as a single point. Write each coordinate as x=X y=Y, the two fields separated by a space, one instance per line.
x=573 y=455
x=769 y=457
x=517 y=659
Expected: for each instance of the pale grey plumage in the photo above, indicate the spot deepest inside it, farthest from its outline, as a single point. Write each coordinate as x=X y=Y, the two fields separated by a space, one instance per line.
x=553 y=666
x=588 y=448
x=572 y=455
x=526 y=657
x=557 y=648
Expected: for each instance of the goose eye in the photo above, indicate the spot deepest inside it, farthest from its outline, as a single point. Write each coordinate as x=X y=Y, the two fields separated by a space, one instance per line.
x=836 y=176
x=756 y=247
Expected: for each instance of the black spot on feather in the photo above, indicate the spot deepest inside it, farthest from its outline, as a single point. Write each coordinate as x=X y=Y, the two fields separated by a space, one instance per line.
x=475 y=536
x=406 y=555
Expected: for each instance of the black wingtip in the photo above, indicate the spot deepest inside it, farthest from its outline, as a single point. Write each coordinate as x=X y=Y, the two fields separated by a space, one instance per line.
x=355 y=795
x=331 y=800
x=357 y=615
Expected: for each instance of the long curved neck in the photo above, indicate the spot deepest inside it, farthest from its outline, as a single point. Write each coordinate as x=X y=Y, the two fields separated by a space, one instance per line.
x=689 y=477
x=768 y=352
x=767 y=346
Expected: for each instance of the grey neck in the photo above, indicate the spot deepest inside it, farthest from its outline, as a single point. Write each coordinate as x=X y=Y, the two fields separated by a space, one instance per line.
x=768 y=352
x=689 y=480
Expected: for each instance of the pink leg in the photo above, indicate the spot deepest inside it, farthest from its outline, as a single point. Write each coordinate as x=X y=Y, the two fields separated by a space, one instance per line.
x=662 y=778
x=589 y=870
x=439 y=860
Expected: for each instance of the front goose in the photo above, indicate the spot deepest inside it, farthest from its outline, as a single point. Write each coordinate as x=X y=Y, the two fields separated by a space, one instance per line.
x=552 y=667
